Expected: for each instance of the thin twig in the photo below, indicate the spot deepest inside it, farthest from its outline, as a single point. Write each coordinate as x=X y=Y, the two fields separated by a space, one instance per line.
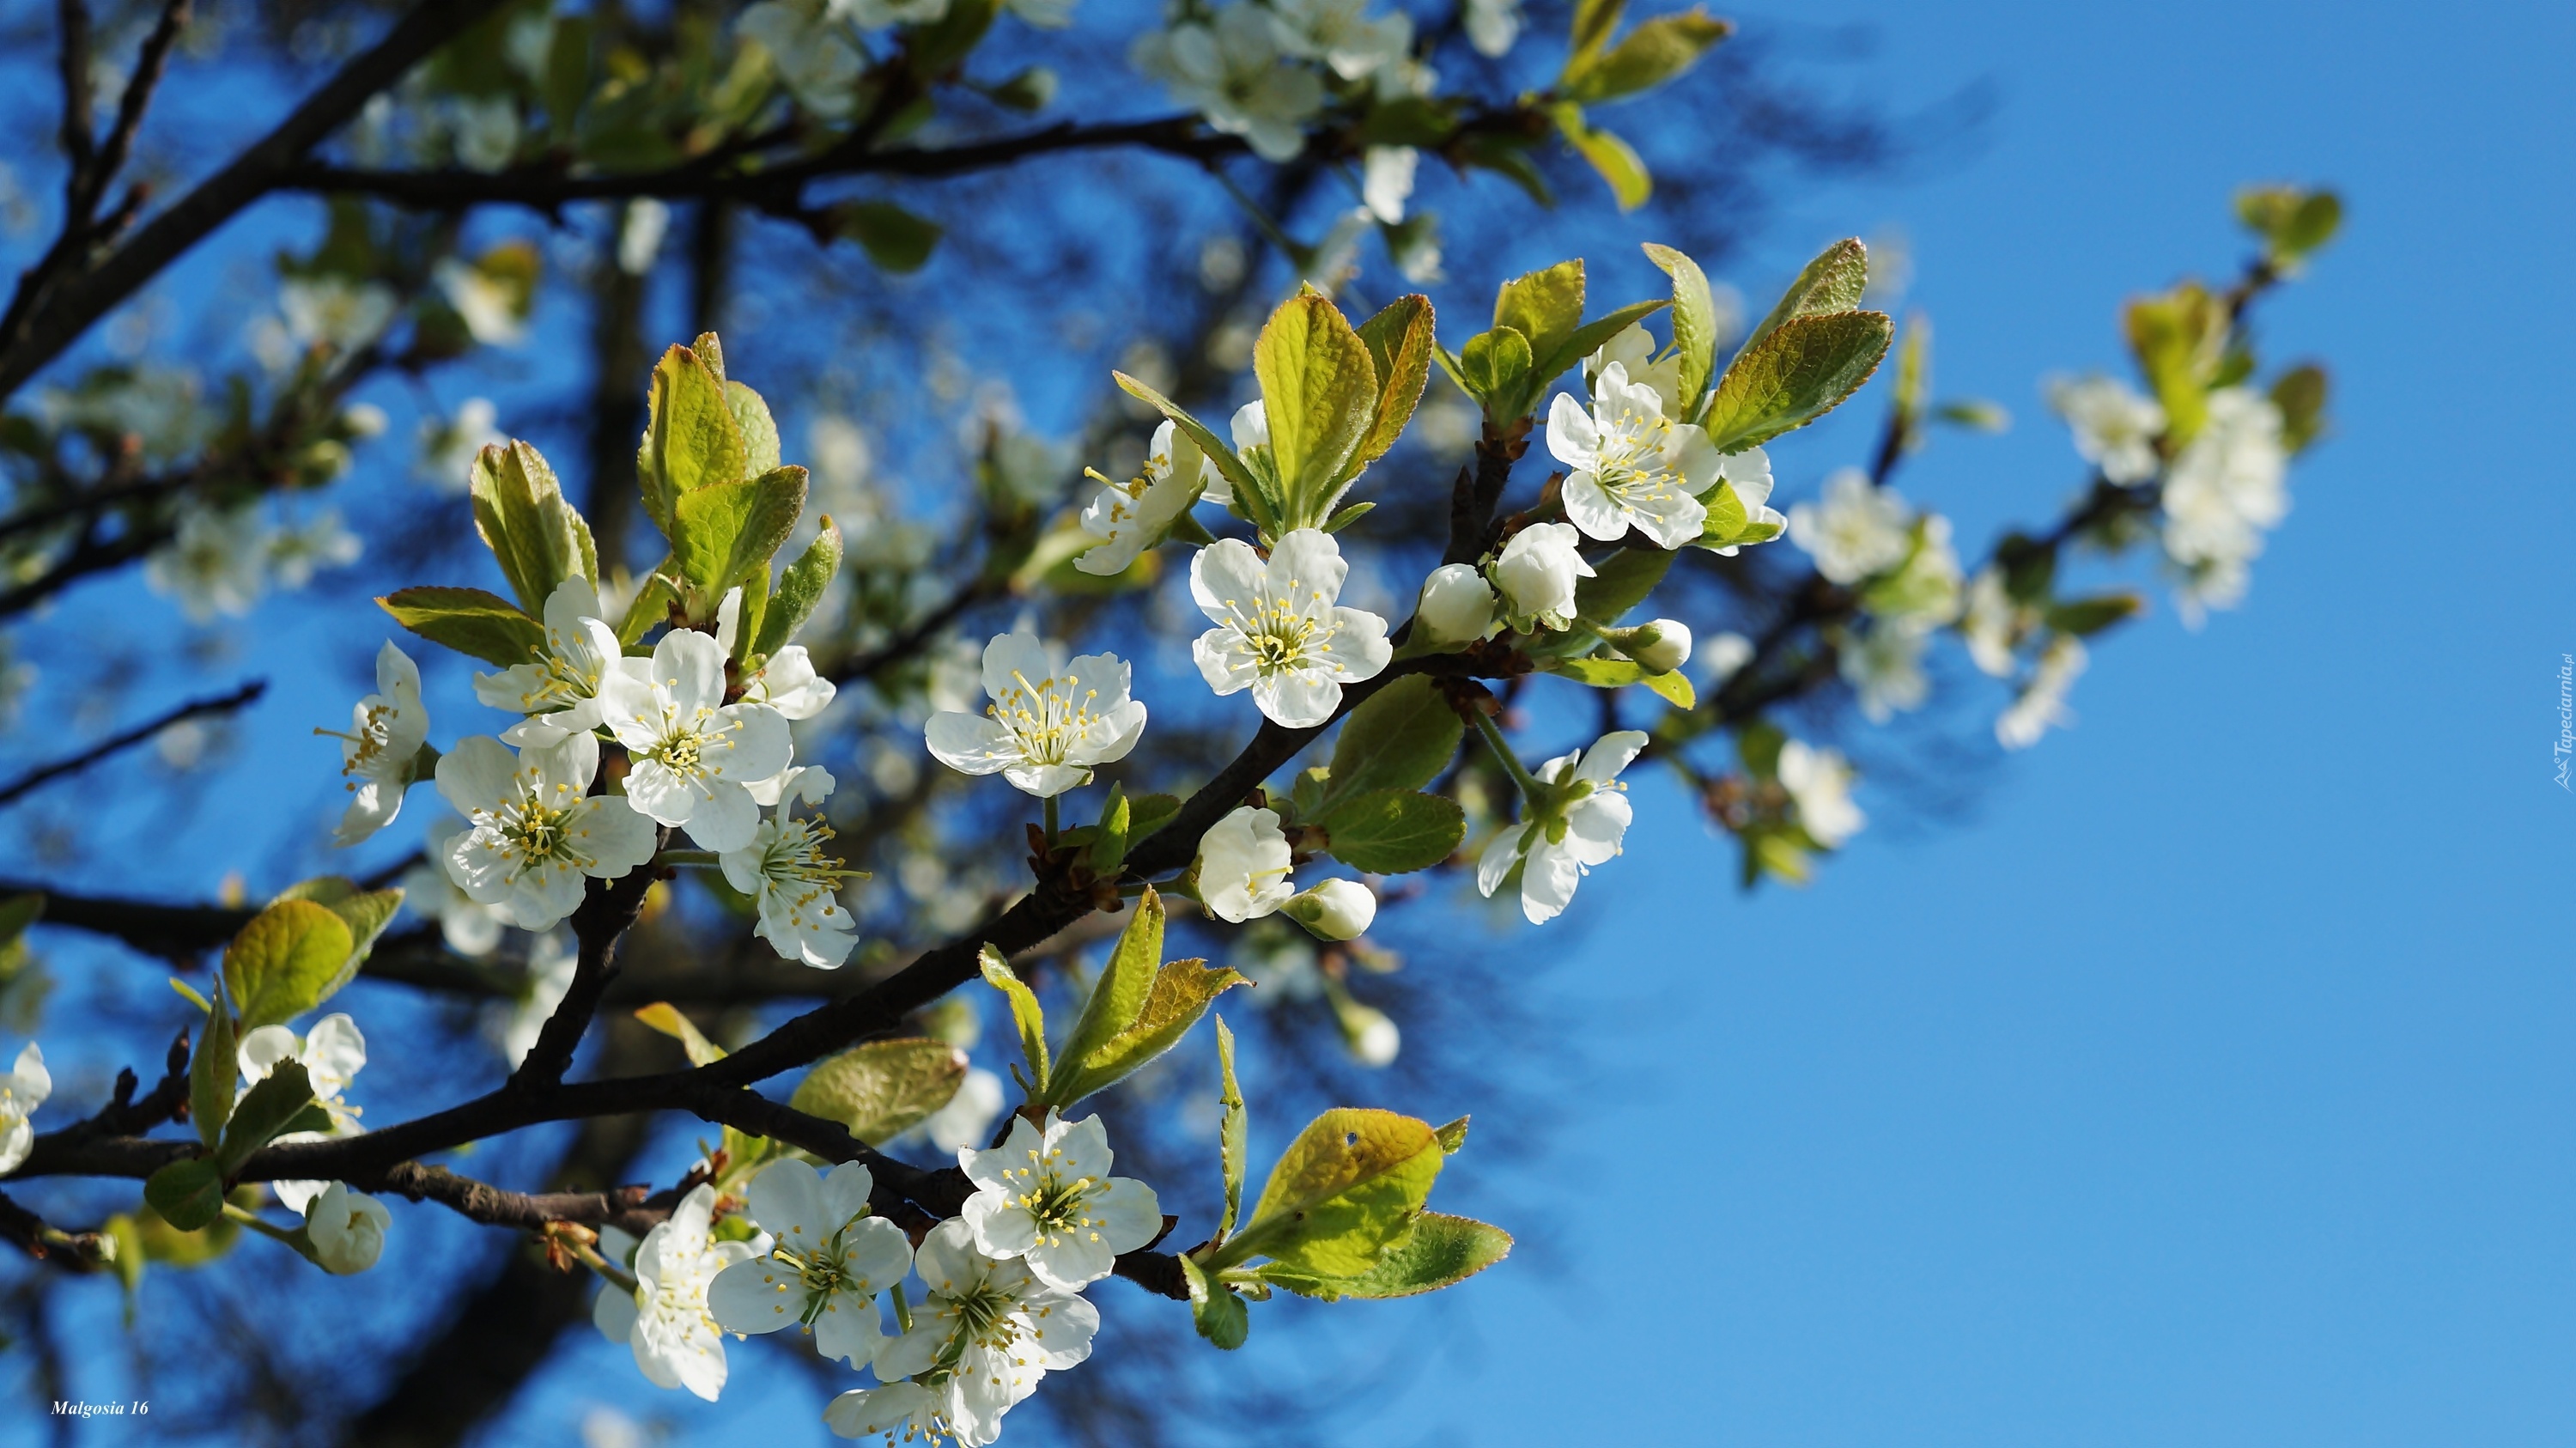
x=36 y=778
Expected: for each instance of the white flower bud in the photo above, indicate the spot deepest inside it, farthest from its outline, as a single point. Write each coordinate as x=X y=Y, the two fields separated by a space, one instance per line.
x=1670 y=650
x=1537 y=573
x=1335 y=910
x=1457 y=605
x=347 y=1228
x=1370 y=1033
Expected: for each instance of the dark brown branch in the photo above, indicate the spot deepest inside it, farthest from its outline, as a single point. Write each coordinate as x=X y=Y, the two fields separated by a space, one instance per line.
x=149 y=65
x=45 y=330
x=42 y=775
x=608 y=907
x=719 y=177
x=82 y=1251
x=80 y=141
x=493 y=1206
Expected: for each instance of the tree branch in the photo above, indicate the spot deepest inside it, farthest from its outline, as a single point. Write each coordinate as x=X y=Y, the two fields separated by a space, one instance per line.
x=42 y=775
x=46 y=329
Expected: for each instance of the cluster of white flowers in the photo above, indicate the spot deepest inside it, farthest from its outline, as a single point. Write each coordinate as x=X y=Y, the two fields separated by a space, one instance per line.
x=1909 y=581
x=2226 y=489
x=222 y=561
x=2042 y=701
x=345 y=1228
x=1261 y=71
x=1243 y=866
x=22 y=1090
x=1000 y=1305
x=2115 y=428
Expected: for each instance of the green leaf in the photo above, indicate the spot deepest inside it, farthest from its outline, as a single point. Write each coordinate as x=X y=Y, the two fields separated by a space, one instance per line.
x=1620 y=582
x=1215 y=1310
x=17 y=913
x=476 y=624
x=1453 y=1135
x=1593 y=22
x=2292 y=221
x=1147 y=813
x=189 y=1194
x=1759 y=745
x=1655 y=52
x=800 y=588
x=895 y=239
x=1495 y=367
x=1440 y=1251
x=1347 y=1189
x=1183 y=991
x=691 y=440
x=1320 y=392
x=882 y=1089
x=726 y=532
x=2085 y=616
x=1601 y=673
x=1544 y=306
x=214 y=1068
x=365 y=912
x=1232 y=1130
x=1118 y=996
x=666 y=1018
x=1834 y=282
x=2301 y=395
x=1393 y=831
x=535 y=535
x=1695 y=324
x=265 y=1111
x=1108 y=848
x=1800 y=371
x=1613 y=158
x=759 y=431
x=1399 y=340
x=1025 y=1013
x=1673 y=688
x=285 y=960
x=652 y=603
x=1239 y=478
x=1587 y=339
x=2179 y=337
x=1401 y=738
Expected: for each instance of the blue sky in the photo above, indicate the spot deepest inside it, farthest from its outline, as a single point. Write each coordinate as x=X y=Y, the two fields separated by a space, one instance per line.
x=2207 y=1082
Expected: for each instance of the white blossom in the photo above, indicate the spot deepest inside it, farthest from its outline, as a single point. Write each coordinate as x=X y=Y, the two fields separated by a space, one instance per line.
x=332 y=1054
x=691 y=752
x=664 y=1320
x=1536 y=575
x=1632 y=349
x=1858 y=530
x=1631 y=465
x=796 y=884
x=553 y=960
x=2226 y=488
x=812 y=53
x=216 y=562
x=468 y=926
x=827 y=1261
x=1045 y=1196
x=1457 y=605
x=295 y=554
x=386 y=731
x=1492 y=25
x=21 y=1092
x=1884 y=665
x=1747 y=475
x=1341 y=34
x=493 y=309
x=1579 y=824
x=533 y=832
x=2115 y=428
x=785 y=681
x=1819 y=784
x=968 y=1116
x=334 y=311
x=1370 y=1033
x=347 y=1229
x=1279 y=631
x=1924 y=591
x=2042 y=702
x=1232 y=71
x=1386 y=180
x=1334 y=910
x=1724 y=656
x=449 y=445
x=985 y=1332
x=1133 y=516
x=1659 y=646
x=1243 y=865
x=1051 y=721
x=1992 y=623
x=559 y=689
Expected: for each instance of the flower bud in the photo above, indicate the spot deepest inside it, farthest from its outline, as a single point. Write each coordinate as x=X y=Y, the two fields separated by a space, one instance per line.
x=347 y=1229
x=1537 y=573
x=1457 y=605
x=1369 y=1032
x=1335 y=910
x=1658 y=648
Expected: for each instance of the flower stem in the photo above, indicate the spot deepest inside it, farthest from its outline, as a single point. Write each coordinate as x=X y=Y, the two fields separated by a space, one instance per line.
x=1531 y=789
x=706 y=858
x=590 y=1258
x=295 y=1239
x=1050 y=821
